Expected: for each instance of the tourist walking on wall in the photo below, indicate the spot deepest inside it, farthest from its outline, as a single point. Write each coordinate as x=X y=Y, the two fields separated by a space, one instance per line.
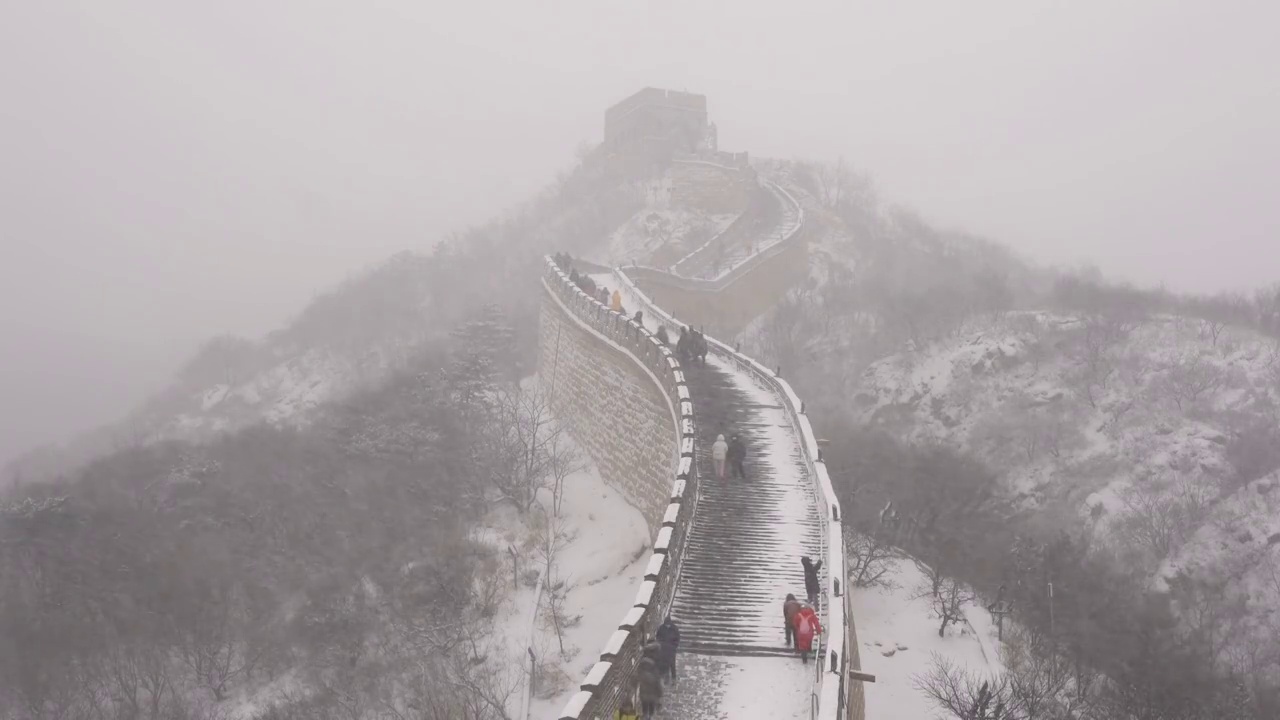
x=616 y=304
x=790 y=607
x=806 y=628
x=662 y=334
x=669 y=642
x=651 y=649
x=736 y=456
x=719 y=450
x=698 y=347
x=650 y=685
x=811 y=584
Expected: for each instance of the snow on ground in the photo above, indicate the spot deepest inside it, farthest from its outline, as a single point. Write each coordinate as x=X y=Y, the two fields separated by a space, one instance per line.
x=602 y=565
x=660 y=233
x=1017 y=392
x=741 y=688
x=213 y=396
x=1157 y=437
x=899 y=636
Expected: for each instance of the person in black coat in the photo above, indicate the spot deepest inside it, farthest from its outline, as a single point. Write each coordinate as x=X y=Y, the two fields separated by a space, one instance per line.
x=668 y=636
x=682 y=346
x=699 y=347
x=736 y=456
x=662 y=335
x=811 y=584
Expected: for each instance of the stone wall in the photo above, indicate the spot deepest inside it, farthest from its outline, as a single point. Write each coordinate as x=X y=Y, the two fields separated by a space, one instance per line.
x=725 y=310
x=711 y=188
x=654 y=111
x=616 y=412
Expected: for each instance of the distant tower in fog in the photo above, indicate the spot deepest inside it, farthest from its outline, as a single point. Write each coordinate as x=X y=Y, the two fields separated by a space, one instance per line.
x=677 y=120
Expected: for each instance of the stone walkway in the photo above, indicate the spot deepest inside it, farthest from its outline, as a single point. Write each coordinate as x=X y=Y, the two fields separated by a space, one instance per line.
x=739 y=688
x=768 y=226
x=743 y=556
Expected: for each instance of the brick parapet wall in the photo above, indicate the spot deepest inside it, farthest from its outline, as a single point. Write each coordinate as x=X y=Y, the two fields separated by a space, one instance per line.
x=626 y=400
x=710 y=187
x=839 y=697
x=725 y=310
x=613 y=409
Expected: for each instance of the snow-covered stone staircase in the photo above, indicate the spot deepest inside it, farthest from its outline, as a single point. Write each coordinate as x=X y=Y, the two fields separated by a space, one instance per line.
x=743 y=558
x=725 y=252
x=747 y=536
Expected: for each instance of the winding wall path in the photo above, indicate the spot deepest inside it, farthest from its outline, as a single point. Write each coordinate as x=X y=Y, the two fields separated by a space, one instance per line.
x=739 y=554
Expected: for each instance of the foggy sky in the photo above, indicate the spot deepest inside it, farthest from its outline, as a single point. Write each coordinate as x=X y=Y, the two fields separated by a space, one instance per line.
x=171 y=170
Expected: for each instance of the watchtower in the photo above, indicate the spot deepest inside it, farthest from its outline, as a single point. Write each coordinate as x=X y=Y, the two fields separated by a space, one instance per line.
x=677 y=119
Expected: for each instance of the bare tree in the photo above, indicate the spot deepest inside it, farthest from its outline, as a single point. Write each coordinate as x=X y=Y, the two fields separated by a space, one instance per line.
x=1162 y=514
x=1094 y=354
x=556 y=613
x=1187 y=380
x=1213 y=328
x=832 y=182
x=550 y=537
x=138 y=674
x=946 y=596
x=522 y=438
x=966 y=697
x=565 y=460
x=1029 y=426
x=1211 y=611
x=871 y=560
x=212 y=646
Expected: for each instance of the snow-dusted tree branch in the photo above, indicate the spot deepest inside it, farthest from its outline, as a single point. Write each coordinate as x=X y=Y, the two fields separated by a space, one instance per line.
x=946 y=596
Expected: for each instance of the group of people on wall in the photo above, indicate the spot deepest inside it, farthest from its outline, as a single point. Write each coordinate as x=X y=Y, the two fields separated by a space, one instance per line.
x=657 y=665
x=800 y=618
x=690 y=345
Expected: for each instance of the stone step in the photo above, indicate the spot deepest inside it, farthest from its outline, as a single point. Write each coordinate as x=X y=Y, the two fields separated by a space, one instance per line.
x=744 y=548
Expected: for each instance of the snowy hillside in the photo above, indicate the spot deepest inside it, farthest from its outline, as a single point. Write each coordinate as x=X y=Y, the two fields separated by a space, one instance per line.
x=899 y=642
x=661 y=232
x=1152 y=433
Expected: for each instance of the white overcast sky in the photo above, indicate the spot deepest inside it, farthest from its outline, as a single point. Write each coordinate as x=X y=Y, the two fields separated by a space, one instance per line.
x=176 y=168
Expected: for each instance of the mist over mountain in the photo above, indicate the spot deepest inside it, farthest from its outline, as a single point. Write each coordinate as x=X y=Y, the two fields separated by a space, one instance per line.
x=175 y=173
x=274 y=402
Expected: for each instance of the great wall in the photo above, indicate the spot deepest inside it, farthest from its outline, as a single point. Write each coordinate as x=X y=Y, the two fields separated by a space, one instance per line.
x=723 y=556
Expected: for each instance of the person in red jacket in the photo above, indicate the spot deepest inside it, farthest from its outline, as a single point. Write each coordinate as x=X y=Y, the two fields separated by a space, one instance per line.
x=806 y=626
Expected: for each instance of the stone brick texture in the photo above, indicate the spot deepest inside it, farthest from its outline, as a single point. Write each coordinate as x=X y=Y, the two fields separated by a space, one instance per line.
x=725 y=311
x=711 y=188
x=613 y=409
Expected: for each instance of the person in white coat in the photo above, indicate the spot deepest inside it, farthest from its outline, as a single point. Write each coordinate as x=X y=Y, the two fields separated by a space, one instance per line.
x=719 y=451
